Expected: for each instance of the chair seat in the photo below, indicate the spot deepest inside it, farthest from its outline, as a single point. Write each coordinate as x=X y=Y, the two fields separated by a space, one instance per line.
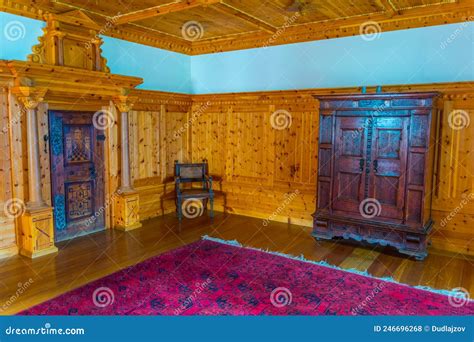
x=202 y=193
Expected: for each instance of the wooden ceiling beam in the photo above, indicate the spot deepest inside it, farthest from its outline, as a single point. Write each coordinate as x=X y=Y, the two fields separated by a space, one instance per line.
x=390 y=9
x=161 y=10
x=227 y=9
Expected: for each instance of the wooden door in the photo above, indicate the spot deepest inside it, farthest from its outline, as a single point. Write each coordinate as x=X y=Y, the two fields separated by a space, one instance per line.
x=388 y=165
x=77 y=174
x=350 y=157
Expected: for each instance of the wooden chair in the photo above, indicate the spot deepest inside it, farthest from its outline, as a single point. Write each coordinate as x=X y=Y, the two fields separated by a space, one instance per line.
x=193 y=198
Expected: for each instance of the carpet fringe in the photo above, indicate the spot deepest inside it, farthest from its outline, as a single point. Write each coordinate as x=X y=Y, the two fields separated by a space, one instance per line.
x=323 y=263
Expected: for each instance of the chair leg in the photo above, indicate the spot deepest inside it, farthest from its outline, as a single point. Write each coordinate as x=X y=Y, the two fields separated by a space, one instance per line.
x=179 y=209
x=211 y=202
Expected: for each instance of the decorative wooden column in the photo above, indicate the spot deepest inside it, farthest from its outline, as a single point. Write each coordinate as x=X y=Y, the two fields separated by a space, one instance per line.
x=126 y=215
x=37 y=229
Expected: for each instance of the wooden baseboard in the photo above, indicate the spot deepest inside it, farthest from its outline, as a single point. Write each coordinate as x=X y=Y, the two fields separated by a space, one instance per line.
x=43 y=252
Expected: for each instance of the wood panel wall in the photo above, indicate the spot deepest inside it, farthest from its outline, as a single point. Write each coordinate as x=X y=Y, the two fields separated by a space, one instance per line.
x=159 y=134
x=7 y=224
x=265 y=172
x=271 y=173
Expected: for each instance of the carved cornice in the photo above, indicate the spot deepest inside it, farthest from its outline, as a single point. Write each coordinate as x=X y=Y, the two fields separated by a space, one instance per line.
x=152 y=100
x=30 y=97
x=68 y=87
x=297 y=97
x=124 y=103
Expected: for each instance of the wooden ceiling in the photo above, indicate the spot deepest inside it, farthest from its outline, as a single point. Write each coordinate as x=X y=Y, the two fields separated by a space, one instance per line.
x=206 y=26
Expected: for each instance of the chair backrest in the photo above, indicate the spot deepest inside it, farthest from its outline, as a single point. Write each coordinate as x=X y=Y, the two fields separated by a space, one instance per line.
x=191 y=172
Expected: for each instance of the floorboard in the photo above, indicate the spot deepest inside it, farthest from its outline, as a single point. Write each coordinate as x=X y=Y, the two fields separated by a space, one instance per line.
x=87 y=258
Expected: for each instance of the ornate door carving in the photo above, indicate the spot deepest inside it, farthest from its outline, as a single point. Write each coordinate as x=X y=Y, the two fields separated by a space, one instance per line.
x=349 y=162
x=77 y=174
x=388 y=171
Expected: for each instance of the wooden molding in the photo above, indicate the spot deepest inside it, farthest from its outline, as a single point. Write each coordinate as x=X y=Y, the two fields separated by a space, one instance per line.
x=29 y=97
x=390 y=20
x=124 y=103
x=161 y=10
x=407 y=19
x=389 y=8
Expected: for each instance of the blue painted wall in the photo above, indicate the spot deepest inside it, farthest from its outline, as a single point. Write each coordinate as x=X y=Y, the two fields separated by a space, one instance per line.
x=160 y=69
x=18 y=35
x=433 y=54
x=425 y=55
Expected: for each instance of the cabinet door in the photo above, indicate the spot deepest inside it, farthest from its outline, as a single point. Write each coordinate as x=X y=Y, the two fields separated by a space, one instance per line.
x=388 y=165
x=350 y=155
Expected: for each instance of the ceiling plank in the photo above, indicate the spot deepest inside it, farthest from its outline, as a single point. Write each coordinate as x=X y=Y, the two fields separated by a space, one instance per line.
x=227 y=9
x=161 y=10
x=390 y=9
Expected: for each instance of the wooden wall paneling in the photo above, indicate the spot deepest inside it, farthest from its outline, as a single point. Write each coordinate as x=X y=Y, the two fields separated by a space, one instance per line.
x=294 y=156
x=162 y=136
x=8 y=244
x=155 y=143
x=17 y=119
x=250 y=129
x=142 y=147
x=209 y=133
x=456 y=174
x=177 y=144
x=271 y=155
x=229 y=144
x=453 y=202
x=148 y=143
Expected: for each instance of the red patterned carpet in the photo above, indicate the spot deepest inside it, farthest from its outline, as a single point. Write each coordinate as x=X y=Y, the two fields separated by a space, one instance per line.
x=213 y=278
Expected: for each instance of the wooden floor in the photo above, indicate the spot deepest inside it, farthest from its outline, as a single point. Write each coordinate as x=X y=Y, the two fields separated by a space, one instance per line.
x=25 y=282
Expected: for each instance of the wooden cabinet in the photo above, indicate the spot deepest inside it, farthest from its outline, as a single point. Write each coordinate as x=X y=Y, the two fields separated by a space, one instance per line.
x=376 y=155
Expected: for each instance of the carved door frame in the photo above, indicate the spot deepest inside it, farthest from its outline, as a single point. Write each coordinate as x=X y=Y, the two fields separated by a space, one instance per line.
x=94 y=170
